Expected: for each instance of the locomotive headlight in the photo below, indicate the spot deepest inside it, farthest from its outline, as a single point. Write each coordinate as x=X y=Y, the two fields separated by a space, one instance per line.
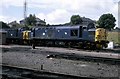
x=58 y=30
x=65 y=33
x=11 y=34
x=43 y=33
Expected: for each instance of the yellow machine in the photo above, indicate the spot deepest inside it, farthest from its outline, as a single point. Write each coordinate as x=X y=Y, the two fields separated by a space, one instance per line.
x=101 y=38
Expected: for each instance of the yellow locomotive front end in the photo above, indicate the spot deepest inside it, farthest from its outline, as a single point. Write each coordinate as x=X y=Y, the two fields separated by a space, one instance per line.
x=101 y=38
x=26 y=37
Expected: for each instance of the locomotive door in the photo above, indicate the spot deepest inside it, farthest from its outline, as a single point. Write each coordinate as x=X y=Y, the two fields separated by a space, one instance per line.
x=50 y=33
x=80 y=31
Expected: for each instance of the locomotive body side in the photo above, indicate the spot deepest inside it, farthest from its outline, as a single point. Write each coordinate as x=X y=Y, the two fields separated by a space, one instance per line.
x=61 y=32
x=68 y=35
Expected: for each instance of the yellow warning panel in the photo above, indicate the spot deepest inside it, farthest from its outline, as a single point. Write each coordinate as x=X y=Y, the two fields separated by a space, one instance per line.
x=26 y=34
x=100 y=34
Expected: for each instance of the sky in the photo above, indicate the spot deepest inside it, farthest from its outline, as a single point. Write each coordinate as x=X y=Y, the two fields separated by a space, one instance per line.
x=57 y=11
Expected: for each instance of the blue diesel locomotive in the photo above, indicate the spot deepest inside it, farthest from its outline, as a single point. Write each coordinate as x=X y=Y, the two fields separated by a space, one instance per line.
x=61 y=35
x=69 y=36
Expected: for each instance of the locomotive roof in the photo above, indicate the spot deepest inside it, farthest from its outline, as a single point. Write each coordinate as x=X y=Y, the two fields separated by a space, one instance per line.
x=67 y=27
x=93 y=29
x=61 y=27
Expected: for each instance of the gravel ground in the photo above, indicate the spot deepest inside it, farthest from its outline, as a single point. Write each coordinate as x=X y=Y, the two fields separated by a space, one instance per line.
x=24 y=56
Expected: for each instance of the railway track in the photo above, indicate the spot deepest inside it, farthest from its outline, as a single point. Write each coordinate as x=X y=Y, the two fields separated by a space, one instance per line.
x=10 y=72
x=69 y=48
x=115 y=61
x=23 y=73
x=73 y=56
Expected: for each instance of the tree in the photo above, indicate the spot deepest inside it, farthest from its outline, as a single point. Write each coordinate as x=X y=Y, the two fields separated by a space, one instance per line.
x=3 y=25
x=31 y=20
x=75 y=19
x=106 y=21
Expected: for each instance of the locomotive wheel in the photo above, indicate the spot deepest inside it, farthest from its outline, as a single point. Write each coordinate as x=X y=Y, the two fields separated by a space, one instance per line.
x=93 y=47
x=85 y=45
x=99 y=46
x=105 y=45
x=88 y=46
x=80 y=44
x=69 y=44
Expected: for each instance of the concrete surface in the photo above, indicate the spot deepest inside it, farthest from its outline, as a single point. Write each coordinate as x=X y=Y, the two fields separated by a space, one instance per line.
x=24 y=56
